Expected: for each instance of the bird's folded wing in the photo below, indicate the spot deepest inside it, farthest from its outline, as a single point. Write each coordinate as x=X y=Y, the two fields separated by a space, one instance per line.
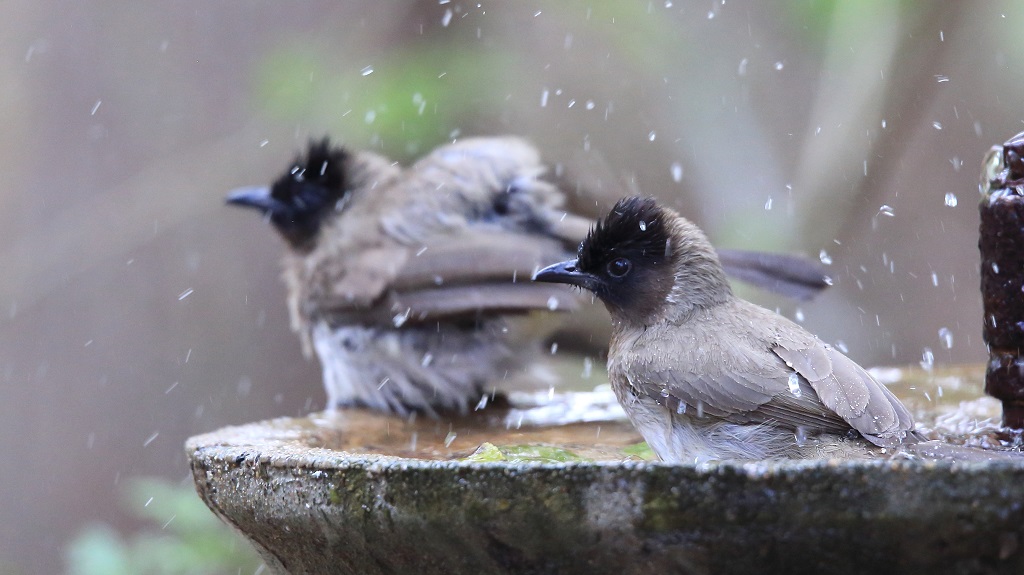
x=742 y=388
x=847 y=389
x=451 y=276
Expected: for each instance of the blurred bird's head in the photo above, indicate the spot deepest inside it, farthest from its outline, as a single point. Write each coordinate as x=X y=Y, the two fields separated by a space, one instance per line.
x=643 y=260
x=297 y=202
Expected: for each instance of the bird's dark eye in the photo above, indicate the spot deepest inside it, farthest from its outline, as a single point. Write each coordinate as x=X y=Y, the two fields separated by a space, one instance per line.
x=619 y=267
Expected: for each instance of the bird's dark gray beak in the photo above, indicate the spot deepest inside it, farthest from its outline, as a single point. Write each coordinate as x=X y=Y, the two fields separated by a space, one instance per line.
x=566 y=272
x=254 y=197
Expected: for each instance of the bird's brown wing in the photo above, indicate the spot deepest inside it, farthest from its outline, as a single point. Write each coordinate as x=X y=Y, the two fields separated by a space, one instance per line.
x=848 y=390
x=464 y=273
x=740 y=384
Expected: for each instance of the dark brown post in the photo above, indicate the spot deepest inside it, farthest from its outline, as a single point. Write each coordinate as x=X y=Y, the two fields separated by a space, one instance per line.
x=1002 y=275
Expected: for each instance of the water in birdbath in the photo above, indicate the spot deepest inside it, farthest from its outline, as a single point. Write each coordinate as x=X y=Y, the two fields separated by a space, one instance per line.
x=947 y=403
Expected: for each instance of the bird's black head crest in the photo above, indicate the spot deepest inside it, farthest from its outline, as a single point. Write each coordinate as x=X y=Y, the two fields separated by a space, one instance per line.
x=635 y=228
x=298 y=201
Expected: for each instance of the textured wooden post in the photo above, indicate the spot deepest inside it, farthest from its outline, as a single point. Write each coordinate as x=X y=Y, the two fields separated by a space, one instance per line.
x=1002 y=275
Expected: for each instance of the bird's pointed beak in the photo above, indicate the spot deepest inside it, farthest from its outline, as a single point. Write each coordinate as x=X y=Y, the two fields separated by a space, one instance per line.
x=254 y=197
x=566 y=272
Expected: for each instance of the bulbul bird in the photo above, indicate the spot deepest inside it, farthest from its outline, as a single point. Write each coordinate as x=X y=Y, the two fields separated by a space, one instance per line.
x=704 y=375
x=408 y=283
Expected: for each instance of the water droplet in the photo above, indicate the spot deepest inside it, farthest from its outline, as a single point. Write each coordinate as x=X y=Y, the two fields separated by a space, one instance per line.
x=448 y=439
x=544 y=99
x=370 y=117
x=552 y=303
x=643 y=226
x=700 y=409
x=886 y=210
x=995 y=269
x=366 y=71
x=779 y=65
x=825 y=258
x=400 y=319
x=588 y=368
x=768 y=204
x=794 y=384
x=841 y=346
x=937 y=125
x=590 y=104
x=927 y=359
x=946 y=336
x=554 y=347
x=447 y=18
x=800 y=435
x=951 y=200
x=681 y=408
x=940 y=78
x=428 y=358
x=798 y=315
x=652 y=136
x=742 y=71
x=664 y=392
x=677 y=172
x=482 y=403
x=935 y=279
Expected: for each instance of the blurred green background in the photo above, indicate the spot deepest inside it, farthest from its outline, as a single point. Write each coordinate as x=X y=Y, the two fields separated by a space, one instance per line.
x=136 y=310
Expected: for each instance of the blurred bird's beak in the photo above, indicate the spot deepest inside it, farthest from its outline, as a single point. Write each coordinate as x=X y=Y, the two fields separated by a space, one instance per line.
x=566 y=272
x=254 y=197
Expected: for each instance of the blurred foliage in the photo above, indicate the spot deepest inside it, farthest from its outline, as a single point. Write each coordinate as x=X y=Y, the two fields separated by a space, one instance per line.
x=405 y=102
x=186 y=538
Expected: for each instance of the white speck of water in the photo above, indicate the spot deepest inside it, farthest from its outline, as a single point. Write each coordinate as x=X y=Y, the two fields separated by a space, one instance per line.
x=883 y=124
x=742 y=71
x=571 y=103
x=700 y=408
x=448 y=439
x=677 y=172
x=768 y=204
x=171 y=388
x=400 y=319
x=420 y=102
x=798 y=315
x=841 y=346
x=794 y=384
x=95 y=107
x=447 y=18
x=937 y=125
x=185 y=294
x=946 y=336
x=951 y=200
x=588 y=368
x=942 y=36
x=935 y=279
x=886 y=210
x=940 y=78
x=383 y=382
x=668 y=3
x=825 y=258
x=652 y=136
x=995 y=268
x=366 y=71
x=779 y=65
x=800 y=435
x=664 y=392
x=927 y=359
x=711 y=14
x=589 y=105
x=151 y=439
x=370 y=116
x=643 y=226
x=544 y=98
x=428 y=358
x=554 y=347
x=552 y=303
x=681 y=408
x=482 y=403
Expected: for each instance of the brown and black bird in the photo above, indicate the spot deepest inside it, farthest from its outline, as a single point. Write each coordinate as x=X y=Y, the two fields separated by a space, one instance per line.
x=705 y=375
x=409 y=283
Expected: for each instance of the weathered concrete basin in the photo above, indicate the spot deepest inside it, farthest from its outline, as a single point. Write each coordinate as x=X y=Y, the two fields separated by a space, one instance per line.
x=315 y=495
